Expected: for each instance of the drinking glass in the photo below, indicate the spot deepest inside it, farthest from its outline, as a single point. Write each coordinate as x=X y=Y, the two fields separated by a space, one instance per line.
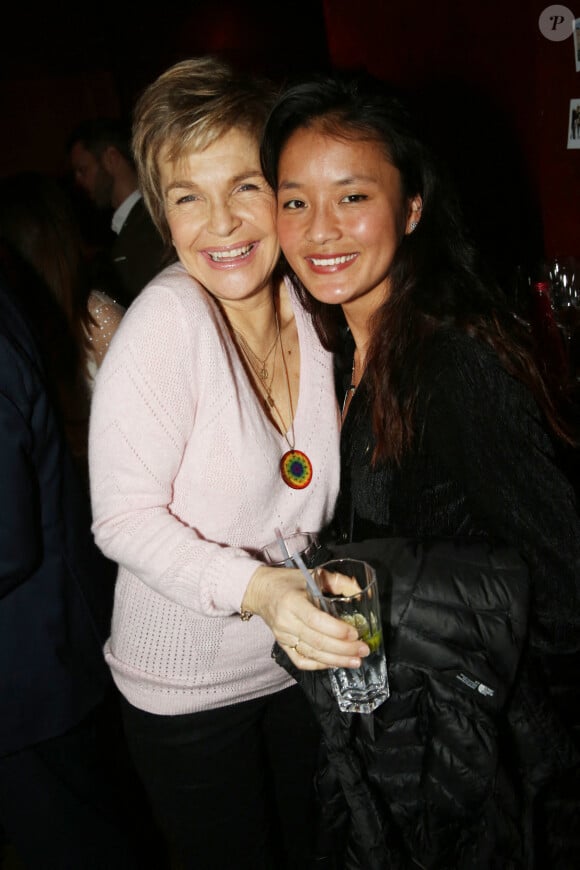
x=565 y=282
x=563 y=275
x=357 y=690
x=280 y=551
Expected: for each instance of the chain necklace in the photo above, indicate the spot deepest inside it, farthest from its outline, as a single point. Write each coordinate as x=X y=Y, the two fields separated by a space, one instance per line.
x=267 y=387
x=295 y=466
x=275 y=408
x=261 y=370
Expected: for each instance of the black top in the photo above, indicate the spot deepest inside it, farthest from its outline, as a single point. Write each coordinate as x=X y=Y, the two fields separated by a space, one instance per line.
x=138 y=253
x=482 y=462
x=431 y=778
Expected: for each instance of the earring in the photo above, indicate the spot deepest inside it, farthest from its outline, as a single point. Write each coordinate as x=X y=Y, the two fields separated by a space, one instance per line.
x=413 y=226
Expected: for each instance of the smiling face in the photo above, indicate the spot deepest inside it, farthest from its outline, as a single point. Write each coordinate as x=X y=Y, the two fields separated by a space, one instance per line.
x=221 y=213
x=342 y=214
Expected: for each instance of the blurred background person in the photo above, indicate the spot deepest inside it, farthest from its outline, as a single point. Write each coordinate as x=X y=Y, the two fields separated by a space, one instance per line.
x=37 y=219
x=68 y=795
x=99 y=151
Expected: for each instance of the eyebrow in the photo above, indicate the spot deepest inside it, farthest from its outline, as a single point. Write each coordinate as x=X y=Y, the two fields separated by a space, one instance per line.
x=180 y=184
x=342 y=182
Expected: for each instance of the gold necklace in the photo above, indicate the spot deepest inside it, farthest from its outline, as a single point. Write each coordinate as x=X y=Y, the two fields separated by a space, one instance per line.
x=267 y=387
x=295 y=466
x=274 y=406
x=261 y=370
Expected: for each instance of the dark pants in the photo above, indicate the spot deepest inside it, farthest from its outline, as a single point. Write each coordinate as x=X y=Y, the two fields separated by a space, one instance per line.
x=232 y=787
x=74 y=802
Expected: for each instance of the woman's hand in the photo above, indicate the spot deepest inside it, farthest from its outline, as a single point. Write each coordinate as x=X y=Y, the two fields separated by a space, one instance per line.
x=314 y=640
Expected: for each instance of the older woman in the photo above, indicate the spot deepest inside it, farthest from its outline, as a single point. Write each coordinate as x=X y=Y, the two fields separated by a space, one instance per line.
x=214 y=422
x=448 y=433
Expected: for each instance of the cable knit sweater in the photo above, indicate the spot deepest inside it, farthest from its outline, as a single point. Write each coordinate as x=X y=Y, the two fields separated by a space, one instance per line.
x=185 y=489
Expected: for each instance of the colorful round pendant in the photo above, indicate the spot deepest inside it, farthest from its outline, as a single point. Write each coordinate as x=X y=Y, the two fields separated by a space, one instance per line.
x=296 y=469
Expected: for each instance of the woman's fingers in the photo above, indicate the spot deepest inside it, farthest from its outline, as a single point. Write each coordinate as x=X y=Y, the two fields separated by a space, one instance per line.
x=312 y=638
x=325 y=642
x=309 y=658
x=338 y=584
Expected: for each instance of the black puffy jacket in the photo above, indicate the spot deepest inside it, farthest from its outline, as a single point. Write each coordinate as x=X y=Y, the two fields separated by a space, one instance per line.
x=427 y=779
x=481 y=464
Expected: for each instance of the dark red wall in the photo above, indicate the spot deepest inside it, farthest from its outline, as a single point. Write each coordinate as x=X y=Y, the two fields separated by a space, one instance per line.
x=495 y=91
x=502 y=88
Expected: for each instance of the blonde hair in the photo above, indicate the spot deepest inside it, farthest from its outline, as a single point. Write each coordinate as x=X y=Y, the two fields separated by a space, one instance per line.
x=185 y=109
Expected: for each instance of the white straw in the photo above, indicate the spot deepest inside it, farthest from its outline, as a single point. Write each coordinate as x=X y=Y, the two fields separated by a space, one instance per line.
x=296 y=559
x=287 y=561
x=314 y=590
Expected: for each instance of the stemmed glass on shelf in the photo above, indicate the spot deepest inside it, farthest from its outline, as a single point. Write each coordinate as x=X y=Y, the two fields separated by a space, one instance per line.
x=553 y=314
x=564 y=275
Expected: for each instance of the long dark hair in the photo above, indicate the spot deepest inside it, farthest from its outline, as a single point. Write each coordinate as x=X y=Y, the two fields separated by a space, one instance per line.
x=37 y=219
x=437 y=279
x=39 y=227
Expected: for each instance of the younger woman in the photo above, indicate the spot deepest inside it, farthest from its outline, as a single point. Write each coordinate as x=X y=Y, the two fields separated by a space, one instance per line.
x=448 y=431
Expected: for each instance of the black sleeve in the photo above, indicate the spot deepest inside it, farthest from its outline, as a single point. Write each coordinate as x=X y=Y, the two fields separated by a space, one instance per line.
x=485 y=428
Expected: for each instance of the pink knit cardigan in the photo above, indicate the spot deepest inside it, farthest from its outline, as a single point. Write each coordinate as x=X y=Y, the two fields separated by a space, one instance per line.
x=185 y=489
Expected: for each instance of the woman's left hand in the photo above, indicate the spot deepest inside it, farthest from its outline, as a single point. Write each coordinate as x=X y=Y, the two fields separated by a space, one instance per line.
x=313 y=639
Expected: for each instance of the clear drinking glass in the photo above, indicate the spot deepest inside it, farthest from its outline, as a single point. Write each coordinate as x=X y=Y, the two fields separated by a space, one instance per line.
x=306 y=544
x=565 y=282
x=357 y=690
x=564 y=279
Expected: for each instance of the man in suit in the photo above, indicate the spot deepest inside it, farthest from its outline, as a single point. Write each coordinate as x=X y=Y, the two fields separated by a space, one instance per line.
x=102 y=163
x=68 y=796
